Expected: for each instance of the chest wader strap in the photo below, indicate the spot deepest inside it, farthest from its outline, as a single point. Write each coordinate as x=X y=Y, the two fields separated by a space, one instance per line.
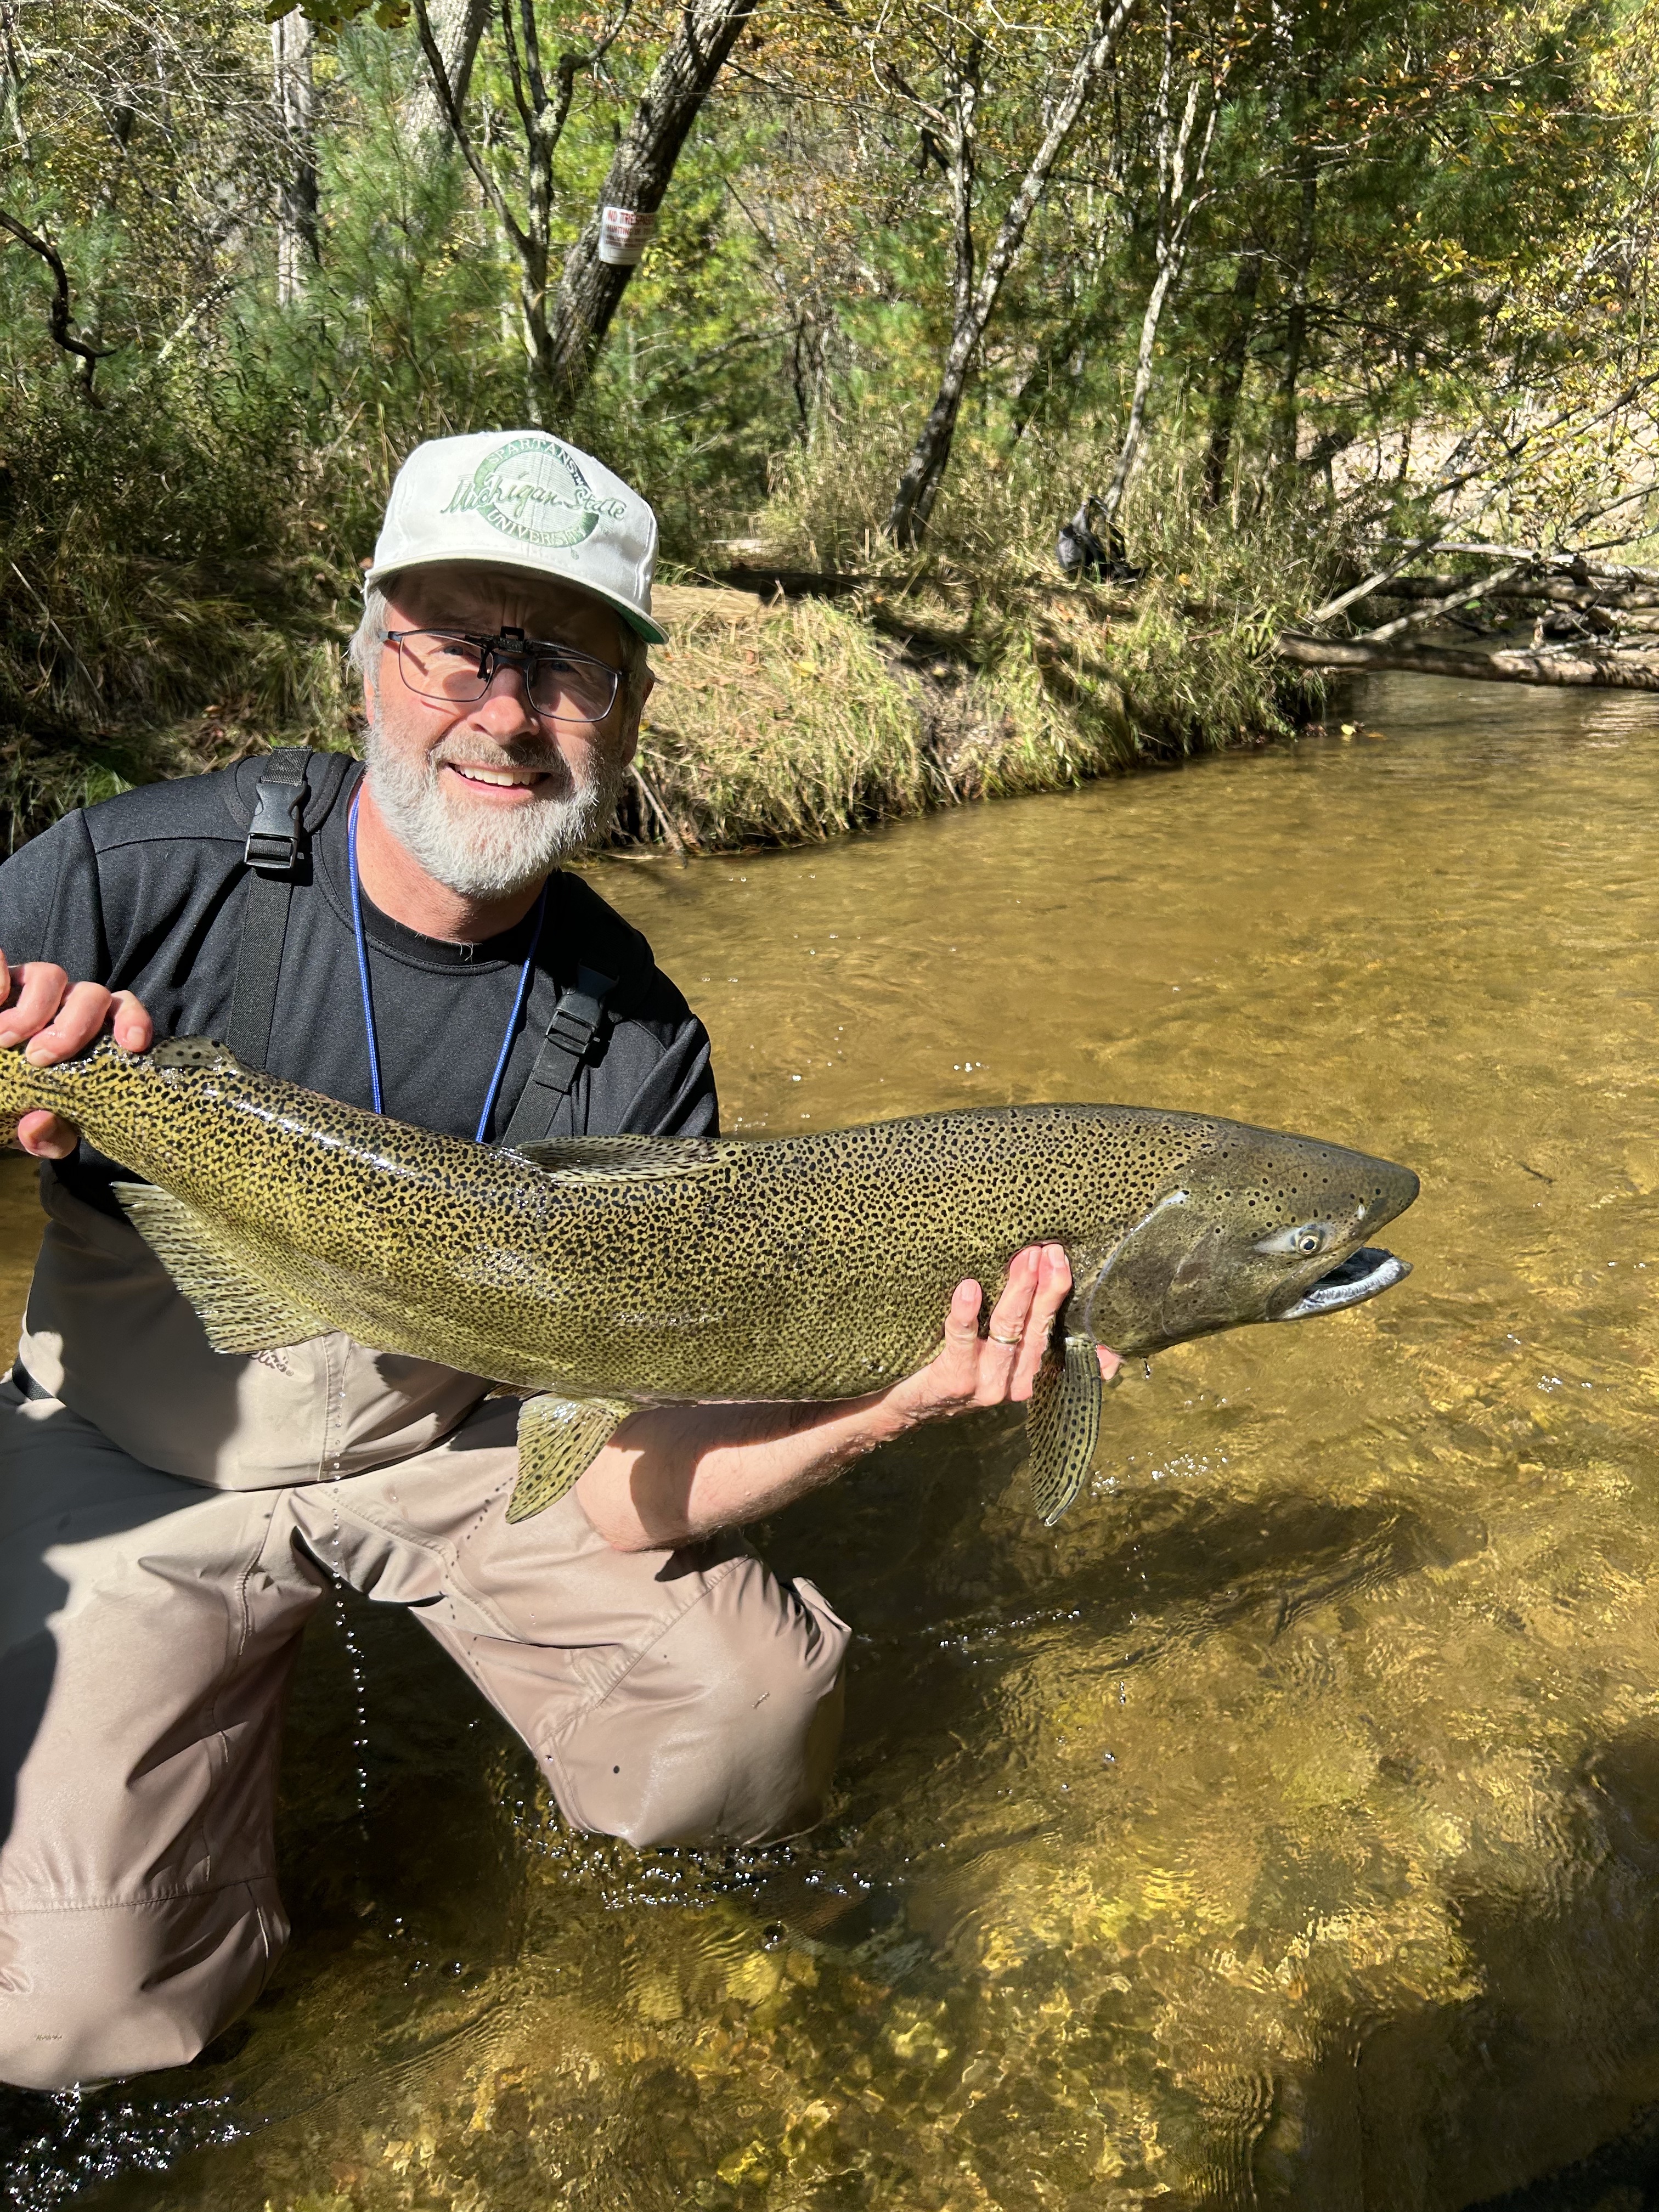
x=274 y=852
x=569 y=1039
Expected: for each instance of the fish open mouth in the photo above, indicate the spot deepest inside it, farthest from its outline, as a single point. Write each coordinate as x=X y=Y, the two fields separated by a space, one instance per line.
x=1362 y=1275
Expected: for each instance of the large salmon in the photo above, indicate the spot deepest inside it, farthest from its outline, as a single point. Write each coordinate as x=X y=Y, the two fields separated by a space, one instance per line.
x=613 y=1271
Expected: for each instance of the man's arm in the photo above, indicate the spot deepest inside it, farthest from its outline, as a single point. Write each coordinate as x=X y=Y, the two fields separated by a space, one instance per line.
x=674 y=1473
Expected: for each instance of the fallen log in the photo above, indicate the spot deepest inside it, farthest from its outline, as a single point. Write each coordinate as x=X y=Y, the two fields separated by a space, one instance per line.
x=1576 y=564
x=1557 y=590
x=1613 y=672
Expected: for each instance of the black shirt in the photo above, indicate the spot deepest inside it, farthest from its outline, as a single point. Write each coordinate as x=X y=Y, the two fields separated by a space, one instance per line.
x=145 y=893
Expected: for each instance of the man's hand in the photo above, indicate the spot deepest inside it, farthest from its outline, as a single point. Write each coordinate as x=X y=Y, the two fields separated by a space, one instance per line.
x=672 y=1473
x=53 y=1019
x=989 y=1371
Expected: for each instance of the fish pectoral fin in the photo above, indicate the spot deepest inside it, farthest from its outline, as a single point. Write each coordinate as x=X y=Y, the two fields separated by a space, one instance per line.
x=609 y=1157
x=558 y=1440
x=239 y=1312
x=1062 y=1425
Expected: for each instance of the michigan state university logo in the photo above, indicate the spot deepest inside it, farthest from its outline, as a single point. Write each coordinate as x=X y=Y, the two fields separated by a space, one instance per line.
x=531 y=490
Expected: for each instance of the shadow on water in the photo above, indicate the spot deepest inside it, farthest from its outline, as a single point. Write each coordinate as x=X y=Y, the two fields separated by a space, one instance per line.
x=1425 y=2110
x=953 y=1581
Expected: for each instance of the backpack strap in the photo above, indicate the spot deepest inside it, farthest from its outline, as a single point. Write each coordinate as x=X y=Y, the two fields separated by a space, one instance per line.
x=586 y=1009
x=275 y=854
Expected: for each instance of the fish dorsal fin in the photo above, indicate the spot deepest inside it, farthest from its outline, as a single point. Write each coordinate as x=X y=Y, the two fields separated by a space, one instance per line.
x=238 y=1311
x=199 y=1052
x=609 y=1156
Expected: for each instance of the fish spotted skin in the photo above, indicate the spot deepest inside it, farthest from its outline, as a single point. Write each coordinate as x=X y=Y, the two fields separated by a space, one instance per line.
x=812 y=1267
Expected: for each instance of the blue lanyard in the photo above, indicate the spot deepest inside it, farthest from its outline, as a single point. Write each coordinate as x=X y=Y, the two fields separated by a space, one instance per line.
x=369 y=997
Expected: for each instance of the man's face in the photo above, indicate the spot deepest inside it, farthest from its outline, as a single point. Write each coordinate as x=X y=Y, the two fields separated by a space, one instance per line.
x=489 y=795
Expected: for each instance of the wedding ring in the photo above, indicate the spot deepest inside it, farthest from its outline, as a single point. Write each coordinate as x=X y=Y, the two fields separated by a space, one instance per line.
x=997 y=1337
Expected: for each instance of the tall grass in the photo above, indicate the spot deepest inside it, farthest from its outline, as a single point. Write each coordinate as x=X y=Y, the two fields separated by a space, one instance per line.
x=782 y=731
x=159 y=606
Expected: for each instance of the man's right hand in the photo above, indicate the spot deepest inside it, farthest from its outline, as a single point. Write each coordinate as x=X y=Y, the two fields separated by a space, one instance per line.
x=53 y=1019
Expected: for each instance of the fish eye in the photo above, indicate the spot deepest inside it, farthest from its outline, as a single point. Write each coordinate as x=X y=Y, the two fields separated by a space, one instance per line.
x=1303 y=1242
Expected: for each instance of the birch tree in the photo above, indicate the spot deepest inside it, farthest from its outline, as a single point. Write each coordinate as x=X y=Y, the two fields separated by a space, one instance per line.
x=951 y=122
x=1185 y=128
x=292 y=38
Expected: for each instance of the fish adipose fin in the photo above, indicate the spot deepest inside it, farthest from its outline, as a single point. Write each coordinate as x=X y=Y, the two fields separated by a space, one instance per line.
x=609 y=1156
x=1062 y=1426
x=239 y=1312
x=558 y=1440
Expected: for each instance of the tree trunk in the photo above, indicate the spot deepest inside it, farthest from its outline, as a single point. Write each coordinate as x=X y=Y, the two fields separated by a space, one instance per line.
x=1178 y=196
x=590 y=290
x=11 y=96
x=1296 y=320
x=1612 y=671
x=291 y=41
x=457 y=26
x=918 y=488
x=1230 y=380
x=540 y=363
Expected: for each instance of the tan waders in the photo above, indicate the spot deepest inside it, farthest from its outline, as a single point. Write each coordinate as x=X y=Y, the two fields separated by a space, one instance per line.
x=168 y=1520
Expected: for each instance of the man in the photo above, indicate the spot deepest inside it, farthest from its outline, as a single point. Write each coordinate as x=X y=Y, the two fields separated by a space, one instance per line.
x=401 y=939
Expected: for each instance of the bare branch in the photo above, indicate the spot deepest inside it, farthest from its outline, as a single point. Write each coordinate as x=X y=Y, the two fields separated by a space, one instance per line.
x=1457 y=480
x=58 y=319
x=1419 y=615
x=1573 y=668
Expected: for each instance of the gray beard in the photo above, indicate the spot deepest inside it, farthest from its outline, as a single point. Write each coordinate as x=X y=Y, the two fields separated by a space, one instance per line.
x=485 y=853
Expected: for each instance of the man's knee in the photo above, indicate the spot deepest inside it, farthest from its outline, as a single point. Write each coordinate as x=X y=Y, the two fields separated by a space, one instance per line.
x=89 y=1991
x=724 y=1727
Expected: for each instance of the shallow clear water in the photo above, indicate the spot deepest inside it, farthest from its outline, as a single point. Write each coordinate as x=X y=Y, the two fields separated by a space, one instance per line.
x=1283 y=1829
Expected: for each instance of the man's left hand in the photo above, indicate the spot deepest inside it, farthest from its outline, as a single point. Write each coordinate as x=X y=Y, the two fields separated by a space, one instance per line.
x=674 y=1473
x=1000 y=1366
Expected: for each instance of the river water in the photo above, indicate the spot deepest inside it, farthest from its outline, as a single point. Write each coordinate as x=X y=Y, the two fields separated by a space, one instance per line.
x=1281 y=1829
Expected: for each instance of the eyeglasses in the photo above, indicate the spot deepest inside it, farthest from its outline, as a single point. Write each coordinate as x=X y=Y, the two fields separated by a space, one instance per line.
x=454 y=668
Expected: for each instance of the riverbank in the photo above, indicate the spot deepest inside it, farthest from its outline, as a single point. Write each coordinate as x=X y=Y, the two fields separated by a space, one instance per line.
x=786 y=721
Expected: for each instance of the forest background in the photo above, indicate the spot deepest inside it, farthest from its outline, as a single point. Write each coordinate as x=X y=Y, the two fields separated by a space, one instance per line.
x=1301 y=294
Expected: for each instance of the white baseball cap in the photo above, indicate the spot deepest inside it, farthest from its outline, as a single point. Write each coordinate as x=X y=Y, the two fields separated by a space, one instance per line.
x=523 y=499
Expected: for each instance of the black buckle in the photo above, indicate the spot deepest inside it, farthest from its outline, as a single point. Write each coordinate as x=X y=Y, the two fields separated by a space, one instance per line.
x=575 y=1022
x=571 y=1032
x=273 y=837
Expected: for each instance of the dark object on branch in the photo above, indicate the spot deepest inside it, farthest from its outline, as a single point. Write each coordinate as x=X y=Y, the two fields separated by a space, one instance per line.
x=1083 y=559
x=1609 y=672
x=1570 y=622
x=59 y=319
